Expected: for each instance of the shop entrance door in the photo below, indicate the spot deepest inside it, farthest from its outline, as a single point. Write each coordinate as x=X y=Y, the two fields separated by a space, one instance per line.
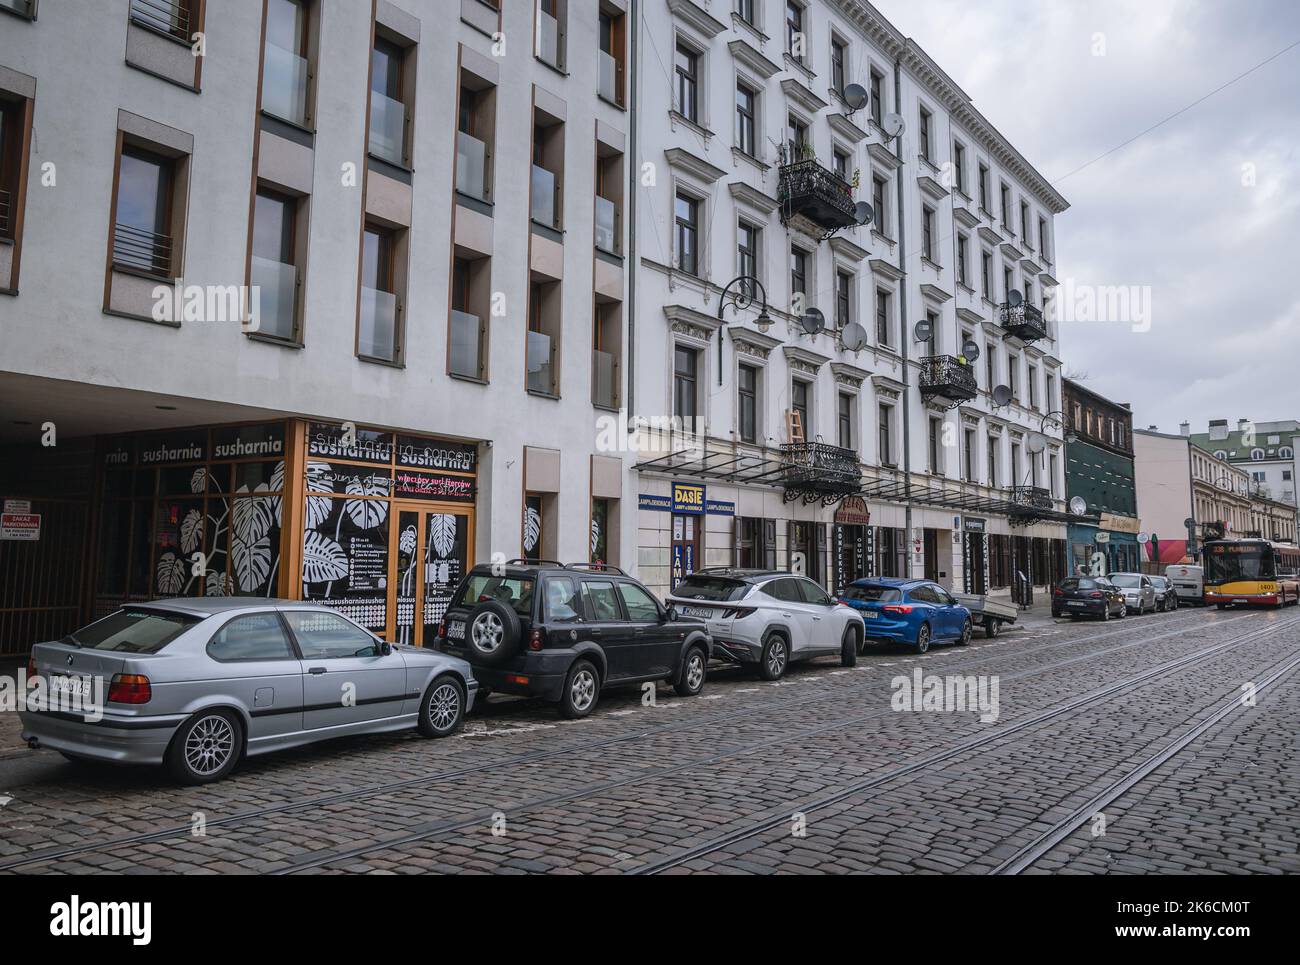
x=432 y=553
x=685 y=546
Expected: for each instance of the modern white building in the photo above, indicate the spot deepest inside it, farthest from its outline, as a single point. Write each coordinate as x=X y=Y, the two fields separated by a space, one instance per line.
x=422 y=195
x=754 y=162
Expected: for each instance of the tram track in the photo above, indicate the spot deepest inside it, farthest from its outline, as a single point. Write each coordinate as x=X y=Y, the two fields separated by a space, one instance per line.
x=246 y=816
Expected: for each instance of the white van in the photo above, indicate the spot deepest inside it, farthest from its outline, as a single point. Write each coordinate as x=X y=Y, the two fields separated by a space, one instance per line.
x=1188 y=581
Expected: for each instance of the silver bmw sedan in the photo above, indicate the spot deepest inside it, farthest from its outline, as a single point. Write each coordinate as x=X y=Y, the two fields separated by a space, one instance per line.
x=198 y=683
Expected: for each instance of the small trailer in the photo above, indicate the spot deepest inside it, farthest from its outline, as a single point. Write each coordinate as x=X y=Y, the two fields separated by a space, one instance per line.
x=988 y=613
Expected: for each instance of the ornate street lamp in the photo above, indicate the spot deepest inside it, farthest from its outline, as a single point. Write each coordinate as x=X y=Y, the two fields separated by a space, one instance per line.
x=747 y=288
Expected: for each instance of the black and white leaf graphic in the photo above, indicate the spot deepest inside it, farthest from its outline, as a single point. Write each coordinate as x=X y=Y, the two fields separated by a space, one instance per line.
x=252 y=562
x=277 y=486
x=171 y=574
x=252 y=515
x=319 y=480
x=191 y=531
x=595 y=536
x=323 y=559
x=532 y=528
x=217 y=584
x=367 y=513
x=442 y=534
x=406 y=542
x=199 y=481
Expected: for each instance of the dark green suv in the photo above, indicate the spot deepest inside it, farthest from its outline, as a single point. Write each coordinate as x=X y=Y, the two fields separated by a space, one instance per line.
x=566 y=632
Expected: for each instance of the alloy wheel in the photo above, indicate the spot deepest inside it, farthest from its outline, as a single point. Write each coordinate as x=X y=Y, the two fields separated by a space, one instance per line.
x=444 y=706
x=209 y=745
x=695 y=671
x=582 y=689
x=487 y=632
x=776 y=657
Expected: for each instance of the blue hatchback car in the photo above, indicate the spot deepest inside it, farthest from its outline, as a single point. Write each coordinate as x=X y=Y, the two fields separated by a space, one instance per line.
x=913 y=612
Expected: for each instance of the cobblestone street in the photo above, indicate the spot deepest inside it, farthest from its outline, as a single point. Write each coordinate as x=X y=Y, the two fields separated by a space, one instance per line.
x=1117 y=747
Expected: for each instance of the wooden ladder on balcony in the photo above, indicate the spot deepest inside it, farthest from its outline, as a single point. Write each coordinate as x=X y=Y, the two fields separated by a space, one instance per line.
x=794 y=426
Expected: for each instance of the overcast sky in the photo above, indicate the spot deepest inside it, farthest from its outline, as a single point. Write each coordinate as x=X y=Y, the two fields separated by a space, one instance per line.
x=1170 y=210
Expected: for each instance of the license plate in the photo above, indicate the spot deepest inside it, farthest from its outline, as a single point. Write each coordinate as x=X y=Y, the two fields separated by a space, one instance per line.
x=703 y=612
x=456 y=630
x=1077 y=603
x=76 y=686
x=871 y=614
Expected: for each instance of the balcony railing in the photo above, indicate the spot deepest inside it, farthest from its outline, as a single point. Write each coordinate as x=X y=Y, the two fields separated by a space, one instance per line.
x=546 y=196
x=466 y=354
x=602 y=379
x=142 y=250
x=540 y=364
x=608 y=88
x=942 y=376
x=819 y=194
x=4 y=207
x=1030 y=497
x=471 y=166
x=548 y=38
x=377 y=336
x=818 y=470
x=285 y=77
x=273 y=310
x=606 y=225
x=387 y=128
x=1023 y=321
x=169 y=16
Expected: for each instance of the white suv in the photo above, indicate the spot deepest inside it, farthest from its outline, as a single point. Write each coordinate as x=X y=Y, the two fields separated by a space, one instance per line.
x=769 y=618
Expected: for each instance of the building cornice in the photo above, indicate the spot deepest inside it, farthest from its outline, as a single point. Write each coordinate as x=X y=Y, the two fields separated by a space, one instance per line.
x=752 y=198
x=696 y=17
x=694 y=165
x=802 y=360
x=756 y=345
x=748 y=56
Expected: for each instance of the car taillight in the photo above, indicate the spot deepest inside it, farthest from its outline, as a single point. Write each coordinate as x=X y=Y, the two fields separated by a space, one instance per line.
x=535 y=639
x=1095 y=594
x=31 y=666
x=129 y=688
x=442 y=630
x=1058 y=592
x=897 y=608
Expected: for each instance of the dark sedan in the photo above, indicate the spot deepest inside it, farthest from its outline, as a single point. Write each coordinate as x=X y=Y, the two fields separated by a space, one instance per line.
x=1088 y=596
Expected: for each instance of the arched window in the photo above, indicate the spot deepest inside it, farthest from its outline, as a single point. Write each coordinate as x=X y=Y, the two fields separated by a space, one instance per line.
x=1286 y=452
x=1257 y=454
x=1220 y=454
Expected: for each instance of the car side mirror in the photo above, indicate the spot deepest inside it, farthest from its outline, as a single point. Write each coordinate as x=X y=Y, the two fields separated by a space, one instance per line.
x=383 y=648
x=671 y=614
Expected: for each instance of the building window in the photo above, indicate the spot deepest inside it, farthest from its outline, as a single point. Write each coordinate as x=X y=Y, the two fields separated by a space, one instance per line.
x=841 y=163
x=875 y=88
x=688 y=229
x=688 y=83
x=388 y=110
x=545 y=194
x=286 y=71
x=968 y=454
x=796 y=138
x=1013 y=366
x=1043 y=245
x=959 y=166
x=1024 y=225
x=610 y=55
x=878 y=204
x=927 y=233
x=936 y=446
x=142 y=238
x=984 y=187
x=607 y=352
x=609 y=198
x=986 y=274
x=747 y=403
x=273 y=269
x=993 y=460
x=794 y=38
x=799 y=393
x=475 y=137
x=551 y=23
x=1032 y=383
x=171 y=17
x=378 y=329
x=845 y=421
x=882 y=318
x=839 y=56
x=884 y=439
x=843 y=299
x=685 y=365
x=745 y=11
x=798 y=278
x=1006 y=206
x=470 y=296
x=599 y=531
x=963 y=243
x=991 y=368
x=541 y=349
x=745 y=131
x=747 y=236
x=923 y=134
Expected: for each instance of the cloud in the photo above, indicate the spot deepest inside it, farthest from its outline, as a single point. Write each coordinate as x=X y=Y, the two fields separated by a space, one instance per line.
x=1203 y=208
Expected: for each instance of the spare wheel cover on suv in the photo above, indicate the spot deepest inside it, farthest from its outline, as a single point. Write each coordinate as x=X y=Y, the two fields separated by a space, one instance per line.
x=494 y=633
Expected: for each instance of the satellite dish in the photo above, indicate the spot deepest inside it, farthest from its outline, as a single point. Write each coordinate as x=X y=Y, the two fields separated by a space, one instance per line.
x=854 y=337
x=1036 y=442
x=1143 y=538
x=893 y=124
x=855 y=95
x=970 y=349
x=1014 y=298
x=813 y=321
x=864 y=213
x=1079 y=506
x=922 y=330
x=1002 y=395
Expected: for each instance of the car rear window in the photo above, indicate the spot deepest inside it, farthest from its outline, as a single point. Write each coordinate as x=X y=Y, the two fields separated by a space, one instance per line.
x=133 y=631
x=515 y=592
x=872 y=593
x=1073 y=584
x=1129 y=581
x=711 y=588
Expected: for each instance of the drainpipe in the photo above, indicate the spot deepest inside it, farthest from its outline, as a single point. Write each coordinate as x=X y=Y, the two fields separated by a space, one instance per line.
x=634 y=16
x=904 y=336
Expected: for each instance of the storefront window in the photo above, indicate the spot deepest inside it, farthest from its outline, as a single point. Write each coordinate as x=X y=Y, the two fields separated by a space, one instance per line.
x=599 y=531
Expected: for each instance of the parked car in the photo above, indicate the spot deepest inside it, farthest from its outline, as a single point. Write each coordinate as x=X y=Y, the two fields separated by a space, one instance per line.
x=1097 y=596
x=913 y=612
x=199 y=683
x=1139 y=592
x=1166 y=593
x=769 y=618
x=1188 y=580
x=565 y=633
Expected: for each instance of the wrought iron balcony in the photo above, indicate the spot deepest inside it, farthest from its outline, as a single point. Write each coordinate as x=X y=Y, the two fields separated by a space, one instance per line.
x=820 y=195
x=819 y=471
x=943 y=377
x=1030 y=498
x=1023 y=321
